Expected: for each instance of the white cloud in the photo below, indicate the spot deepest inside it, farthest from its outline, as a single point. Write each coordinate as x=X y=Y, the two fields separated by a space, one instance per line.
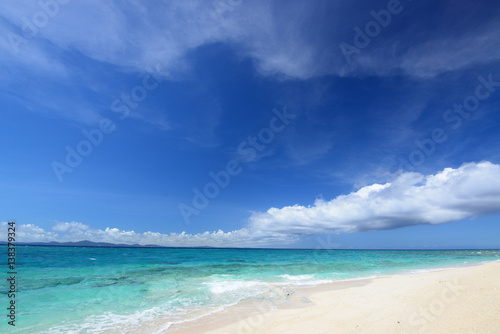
x=75 y=231
x=70 y=227
x=410 y=199
x=450 y=195
x=31 y=232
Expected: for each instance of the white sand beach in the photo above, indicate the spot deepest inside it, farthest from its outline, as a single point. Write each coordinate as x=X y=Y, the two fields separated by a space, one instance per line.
x=465 y=300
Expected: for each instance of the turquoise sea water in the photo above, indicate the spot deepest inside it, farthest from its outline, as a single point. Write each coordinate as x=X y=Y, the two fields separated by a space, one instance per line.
x=145 y=290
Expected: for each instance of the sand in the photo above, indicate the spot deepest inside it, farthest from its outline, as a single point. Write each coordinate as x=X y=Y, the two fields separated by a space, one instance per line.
x=465 y=300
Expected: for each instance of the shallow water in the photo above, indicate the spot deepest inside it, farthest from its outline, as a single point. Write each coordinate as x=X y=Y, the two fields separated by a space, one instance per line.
x=118 y=290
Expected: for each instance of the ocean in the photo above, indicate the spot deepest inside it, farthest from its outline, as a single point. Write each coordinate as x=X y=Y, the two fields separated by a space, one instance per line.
x=146 y=290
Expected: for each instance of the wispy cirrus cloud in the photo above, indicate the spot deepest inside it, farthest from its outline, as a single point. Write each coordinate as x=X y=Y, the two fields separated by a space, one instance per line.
x=283 y=40
x=431 y=57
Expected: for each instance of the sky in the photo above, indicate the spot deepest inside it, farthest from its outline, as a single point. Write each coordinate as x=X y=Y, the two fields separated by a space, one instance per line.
x=237 y=123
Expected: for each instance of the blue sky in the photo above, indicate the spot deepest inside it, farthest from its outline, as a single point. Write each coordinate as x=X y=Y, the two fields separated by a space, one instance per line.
x=334 y=124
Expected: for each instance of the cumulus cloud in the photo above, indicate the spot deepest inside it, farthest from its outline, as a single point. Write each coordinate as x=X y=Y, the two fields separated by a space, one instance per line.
x=76 y=231
x=70 y=227
x=31 y=232
x=410 y=199
x=450 y=195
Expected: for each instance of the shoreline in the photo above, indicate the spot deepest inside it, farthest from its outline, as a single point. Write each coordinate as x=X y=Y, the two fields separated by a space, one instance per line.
x=463 y=299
